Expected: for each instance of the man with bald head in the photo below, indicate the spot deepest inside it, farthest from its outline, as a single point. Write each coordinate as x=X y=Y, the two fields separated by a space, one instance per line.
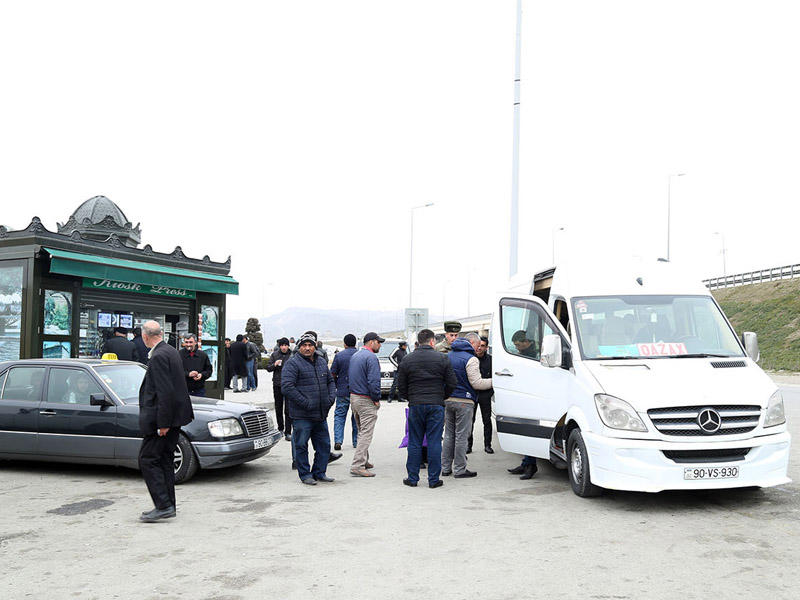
x=164 y=407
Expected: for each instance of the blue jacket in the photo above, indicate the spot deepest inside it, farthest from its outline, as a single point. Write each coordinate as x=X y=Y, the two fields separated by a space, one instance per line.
x=365 y=374
x=308 y=387
x=340 y=371
x=460 y=352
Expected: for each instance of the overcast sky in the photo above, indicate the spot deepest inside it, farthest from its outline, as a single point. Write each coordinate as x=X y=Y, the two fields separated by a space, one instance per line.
x=296 y=136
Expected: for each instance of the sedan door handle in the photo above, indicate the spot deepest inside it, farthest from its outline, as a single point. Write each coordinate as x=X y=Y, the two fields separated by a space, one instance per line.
x=504 y=373
x=48 y=413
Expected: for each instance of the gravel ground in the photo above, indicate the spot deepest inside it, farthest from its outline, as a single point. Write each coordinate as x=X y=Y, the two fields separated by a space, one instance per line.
x=254 y=531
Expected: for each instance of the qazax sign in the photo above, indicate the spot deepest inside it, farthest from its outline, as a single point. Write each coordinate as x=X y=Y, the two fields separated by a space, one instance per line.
x=137 y=288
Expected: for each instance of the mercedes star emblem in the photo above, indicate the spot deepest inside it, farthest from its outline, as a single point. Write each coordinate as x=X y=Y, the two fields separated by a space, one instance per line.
x=709 y=420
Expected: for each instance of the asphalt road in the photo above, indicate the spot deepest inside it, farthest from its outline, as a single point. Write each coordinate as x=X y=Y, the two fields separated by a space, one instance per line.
x=255 y=532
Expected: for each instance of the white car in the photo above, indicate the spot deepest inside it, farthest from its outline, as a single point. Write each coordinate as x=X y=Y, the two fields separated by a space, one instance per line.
x=634 y=380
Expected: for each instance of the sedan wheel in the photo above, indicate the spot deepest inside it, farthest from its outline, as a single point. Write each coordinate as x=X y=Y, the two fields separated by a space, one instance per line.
x=184 y=460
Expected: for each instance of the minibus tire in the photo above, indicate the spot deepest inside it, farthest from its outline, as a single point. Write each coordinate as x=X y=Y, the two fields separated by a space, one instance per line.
x=578 y=467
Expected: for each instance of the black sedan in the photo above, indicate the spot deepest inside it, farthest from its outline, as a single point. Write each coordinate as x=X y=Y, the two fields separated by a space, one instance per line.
x=87 y=411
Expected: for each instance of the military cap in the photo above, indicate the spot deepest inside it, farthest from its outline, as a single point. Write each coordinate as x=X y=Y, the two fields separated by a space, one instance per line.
x=452 y=326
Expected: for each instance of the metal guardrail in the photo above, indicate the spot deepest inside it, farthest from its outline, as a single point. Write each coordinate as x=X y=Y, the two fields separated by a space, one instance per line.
x=773 y=274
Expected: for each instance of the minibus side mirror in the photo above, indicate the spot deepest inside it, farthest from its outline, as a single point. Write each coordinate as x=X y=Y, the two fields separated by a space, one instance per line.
x=551 y=351
x=750 y=342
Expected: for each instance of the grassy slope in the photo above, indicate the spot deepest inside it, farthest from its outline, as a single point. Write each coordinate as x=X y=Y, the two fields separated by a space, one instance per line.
x=772 y=310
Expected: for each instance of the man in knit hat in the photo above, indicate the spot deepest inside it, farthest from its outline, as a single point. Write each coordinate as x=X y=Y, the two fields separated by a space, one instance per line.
x=310 y=391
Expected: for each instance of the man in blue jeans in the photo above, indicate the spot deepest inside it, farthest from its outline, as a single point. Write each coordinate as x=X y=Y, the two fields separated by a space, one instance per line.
x=425 y=377
x=252 y=355
x=340 y=369
x=308 y=386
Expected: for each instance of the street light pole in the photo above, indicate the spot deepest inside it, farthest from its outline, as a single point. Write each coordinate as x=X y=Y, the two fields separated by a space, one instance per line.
x=724 y=266
x=514 y=216
x=411 y=259
x=669 y=206
x=553 y=235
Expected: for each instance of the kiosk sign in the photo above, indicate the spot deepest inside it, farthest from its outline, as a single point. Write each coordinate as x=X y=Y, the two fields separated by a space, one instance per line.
x=137 y=288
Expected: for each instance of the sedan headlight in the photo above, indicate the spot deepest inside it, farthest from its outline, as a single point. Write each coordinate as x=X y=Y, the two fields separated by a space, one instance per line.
x=225 y=428
x=775 y=413
x=618 y=414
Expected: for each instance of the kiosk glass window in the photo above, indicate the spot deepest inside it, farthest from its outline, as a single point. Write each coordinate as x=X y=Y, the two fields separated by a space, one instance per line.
x=57 y=312
x=54 y=349
x=10 y=312
x=210 y=322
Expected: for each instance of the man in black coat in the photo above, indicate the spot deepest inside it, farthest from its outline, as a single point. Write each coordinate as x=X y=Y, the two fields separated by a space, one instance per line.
x=426 y=378
x=239 y=364
x=275 y=366
x=196 y=366
x=121 y=345
x=484 y=400
x=164 y=407
x=141 y=349
x=228 y=364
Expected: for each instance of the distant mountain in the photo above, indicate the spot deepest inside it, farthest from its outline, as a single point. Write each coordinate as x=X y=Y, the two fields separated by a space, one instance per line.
x=329 y=324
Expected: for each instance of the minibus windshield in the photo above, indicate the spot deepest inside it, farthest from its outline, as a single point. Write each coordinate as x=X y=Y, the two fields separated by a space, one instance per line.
x=620 y=327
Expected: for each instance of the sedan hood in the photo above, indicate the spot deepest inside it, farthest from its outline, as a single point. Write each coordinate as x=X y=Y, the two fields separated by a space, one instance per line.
x=666 y=382
x=220 y=408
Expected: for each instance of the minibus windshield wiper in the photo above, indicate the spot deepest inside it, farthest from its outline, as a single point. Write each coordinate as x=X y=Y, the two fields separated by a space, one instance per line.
x=702 y=355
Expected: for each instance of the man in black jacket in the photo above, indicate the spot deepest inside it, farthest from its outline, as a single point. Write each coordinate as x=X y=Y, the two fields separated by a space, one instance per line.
x=196 y=366
x=141 y=349
x=310 y=391
x=121 y=345
x=228 y=364
x=239 y=364
x=275 y=366
x=164 y=406
x=425 y=378
x=484 y=400
x=396 y=357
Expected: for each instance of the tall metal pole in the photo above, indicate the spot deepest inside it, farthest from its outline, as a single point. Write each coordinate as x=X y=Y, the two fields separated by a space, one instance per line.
x=724 y=265
x=669 y=206
x=411 y=258
x=514 y=233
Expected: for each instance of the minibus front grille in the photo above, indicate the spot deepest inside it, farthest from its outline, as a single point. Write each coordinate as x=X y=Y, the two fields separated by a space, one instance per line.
x=706 y=456
x=728 y=364
x=684 y=421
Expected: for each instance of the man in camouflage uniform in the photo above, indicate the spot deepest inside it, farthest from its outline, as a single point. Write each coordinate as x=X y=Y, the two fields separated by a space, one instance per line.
x=451 y=331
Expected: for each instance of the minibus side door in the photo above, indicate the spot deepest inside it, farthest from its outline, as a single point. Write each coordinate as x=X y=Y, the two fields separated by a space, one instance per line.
x=529 y=397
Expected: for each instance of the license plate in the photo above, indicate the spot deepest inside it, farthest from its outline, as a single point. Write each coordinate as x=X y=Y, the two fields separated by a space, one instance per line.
x=711 y=473
x=262 y=443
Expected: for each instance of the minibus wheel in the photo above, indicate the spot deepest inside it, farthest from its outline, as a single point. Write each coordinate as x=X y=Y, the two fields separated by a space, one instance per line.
x=578 y=467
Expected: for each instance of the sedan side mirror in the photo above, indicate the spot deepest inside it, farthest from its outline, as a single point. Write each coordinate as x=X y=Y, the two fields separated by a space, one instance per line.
x=551 y=351
x=750 y=341
x=100 y=400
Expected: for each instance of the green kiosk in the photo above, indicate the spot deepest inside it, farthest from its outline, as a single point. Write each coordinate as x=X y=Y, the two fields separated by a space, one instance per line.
x=63 y=293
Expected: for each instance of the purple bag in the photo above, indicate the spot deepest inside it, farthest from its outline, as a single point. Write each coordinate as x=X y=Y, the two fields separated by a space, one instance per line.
x=404 y=442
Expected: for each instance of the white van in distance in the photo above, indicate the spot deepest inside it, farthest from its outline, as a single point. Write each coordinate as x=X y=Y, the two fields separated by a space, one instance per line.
x=634 y=381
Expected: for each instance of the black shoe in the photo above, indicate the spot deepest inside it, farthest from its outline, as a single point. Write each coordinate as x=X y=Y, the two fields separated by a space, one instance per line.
x=337 y=446
x=488 y=450
x=517 y=470
x=309 y=481
x=333 y=456
x=465 y=474
x=237 y=391
x=157 y=514
x=530 y=471
x=446 y=473
x=294 y=466
x=409 y=483
x=469 y=450
x=325 y=479
x=423 y=465
x=436 y=484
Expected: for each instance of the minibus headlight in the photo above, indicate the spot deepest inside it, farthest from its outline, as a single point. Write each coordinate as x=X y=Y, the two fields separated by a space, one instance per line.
x=775 y=413
x=225 y=428
x=618 y=414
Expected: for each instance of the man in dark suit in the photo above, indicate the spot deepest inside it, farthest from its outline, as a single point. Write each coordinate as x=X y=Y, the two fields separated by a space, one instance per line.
x=121 y=345
x=164 y=406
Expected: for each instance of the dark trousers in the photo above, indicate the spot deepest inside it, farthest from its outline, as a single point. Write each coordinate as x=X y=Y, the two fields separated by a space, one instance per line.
x=282 y=411
x=156 y=461
x=393 y=389
x=317 y=432
x=228 y=374
x=199 y=392
x=425 y=420
x=486 y=416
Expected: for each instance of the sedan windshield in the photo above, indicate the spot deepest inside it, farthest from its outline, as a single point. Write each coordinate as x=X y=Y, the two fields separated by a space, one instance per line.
x=123 y=379
x=617 y=327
